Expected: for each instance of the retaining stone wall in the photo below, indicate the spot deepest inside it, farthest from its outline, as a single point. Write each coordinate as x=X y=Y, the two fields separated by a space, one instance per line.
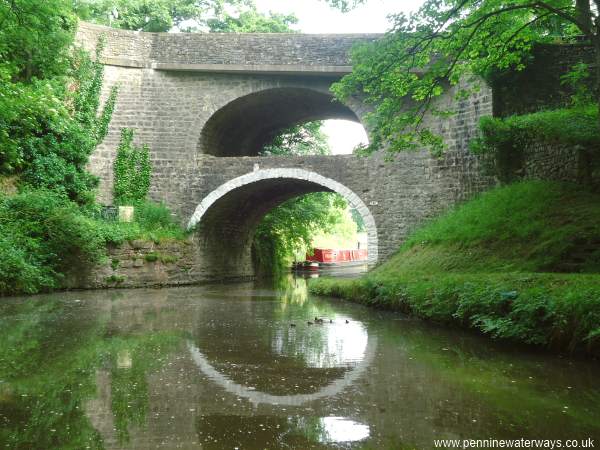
x=539 y=85
x=138 y=264
x=555 y=162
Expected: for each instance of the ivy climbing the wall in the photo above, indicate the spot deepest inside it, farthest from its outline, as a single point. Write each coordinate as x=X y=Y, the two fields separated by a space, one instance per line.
x=132 y=171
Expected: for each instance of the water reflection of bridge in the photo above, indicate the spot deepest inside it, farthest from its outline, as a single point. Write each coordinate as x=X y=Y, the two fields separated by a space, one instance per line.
x=256 y=397
x=185 y=403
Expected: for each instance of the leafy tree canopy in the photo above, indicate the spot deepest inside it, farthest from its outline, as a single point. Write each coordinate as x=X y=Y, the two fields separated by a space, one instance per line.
x=187 y=15
x=299 y=140
x=148 y=15
x=34 y=38
x=49 y=99
x=247 y=19
x=345 y=5
x=446 y=41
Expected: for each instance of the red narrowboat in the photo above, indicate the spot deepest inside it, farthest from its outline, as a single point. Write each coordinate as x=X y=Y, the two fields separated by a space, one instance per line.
x=327 y=256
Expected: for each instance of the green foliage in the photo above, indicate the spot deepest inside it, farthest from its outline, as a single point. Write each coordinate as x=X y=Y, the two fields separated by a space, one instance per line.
x=249 y=20
x=152 y=222
x=151 y=257
x=35 y=38
x=153 y=216
x=577 y=80
x=148 y=15
x=299 y=140
x=440 y=45
x=506 y=138
x=570 y=126
x=50 y=122
x=487 y=265
x=42 y=235
x=168 y=259
x=116 y=279
x=358 y=220
x=156 y=256
x=556 y=311
x=49 y=104
x=238 y=16
x=132 y=171
x=290 y=227
x=530 y=226
x=345 y=5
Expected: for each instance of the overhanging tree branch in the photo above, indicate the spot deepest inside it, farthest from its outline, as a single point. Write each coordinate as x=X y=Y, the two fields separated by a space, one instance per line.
x=561 y=13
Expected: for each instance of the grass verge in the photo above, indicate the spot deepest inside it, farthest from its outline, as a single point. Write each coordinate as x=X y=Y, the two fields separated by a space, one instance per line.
x=504 y=264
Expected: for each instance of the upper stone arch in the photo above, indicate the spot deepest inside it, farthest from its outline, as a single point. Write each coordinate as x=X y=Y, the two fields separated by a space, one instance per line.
x=244 y=125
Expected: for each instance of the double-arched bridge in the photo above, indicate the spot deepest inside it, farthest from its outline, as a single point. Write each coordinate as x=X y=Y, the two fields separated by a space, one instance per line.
x=206 y=104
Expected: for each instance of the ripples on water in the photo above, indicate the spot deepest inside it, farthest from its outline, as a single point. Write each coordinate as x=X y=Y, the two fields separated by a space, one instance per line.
x=239 y=366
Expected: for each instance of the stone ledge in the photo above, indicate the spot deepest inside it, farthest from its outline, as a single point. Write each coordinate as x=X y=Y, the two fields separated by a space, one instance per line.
x=264 y=69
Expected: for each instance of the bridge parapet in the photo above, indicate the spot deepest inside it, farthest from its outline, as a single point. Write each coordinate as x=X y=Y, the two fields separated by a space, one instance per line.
x=226 y=52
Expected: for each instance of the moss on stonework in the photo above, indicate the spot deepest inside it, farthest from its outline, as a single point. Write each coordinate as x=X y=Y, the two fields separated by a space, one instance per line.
x=116 y=279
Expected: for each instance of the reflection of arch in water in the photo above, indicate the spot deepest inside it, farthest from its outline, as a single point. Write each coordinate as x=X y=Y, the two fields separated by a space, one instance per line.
x=257 y=397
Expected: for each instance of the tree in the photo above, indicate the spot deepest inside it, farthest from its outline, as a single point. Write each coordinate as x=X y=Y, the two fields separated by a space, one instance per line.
x=49 y=99
x=299 y=140
x=239 y=16
x=345 y=5
x=445 y=41
x=290 y=227
x=249 y=20
x=35 y=38
x=149 y=15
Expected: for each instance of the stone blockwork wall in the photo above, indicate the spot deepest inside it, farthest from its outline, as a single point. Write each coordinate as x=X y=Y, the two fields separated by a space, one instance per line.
x=459 y=172
x=169 y=110
x=139 y=264
x=400 y=194
x=539 y=85
x=555 y=162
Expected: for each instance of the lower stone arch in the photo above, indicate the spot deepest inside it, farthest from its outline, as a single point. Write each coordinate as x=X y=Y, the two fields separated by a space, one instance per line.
x=309 y=177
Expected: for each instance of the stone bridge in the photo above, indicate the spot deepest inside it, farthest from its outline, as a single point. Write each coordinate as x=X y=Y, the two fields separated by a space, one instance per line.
x=206 y=104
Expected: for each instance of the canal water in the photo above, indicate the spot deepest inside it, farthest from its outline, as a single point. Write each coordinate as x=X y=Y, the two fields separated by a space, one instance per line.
x=240 y=366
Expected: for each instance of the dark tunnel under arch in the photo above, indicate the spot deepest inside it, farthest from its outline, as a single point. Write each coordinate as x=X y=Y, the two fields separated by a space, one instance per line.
x=245 y=125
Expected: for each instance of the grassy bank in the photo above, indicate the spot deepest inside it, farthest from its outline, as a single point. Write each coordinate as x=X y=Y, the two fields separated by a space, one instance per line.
x=520 y=262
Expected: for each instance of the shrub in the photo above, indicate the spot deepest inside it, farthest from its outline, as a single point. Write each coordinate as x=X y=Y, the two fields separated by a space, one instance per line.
x=152 y=221
x=44 y=235
x=152 y=215
x=151 y=257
